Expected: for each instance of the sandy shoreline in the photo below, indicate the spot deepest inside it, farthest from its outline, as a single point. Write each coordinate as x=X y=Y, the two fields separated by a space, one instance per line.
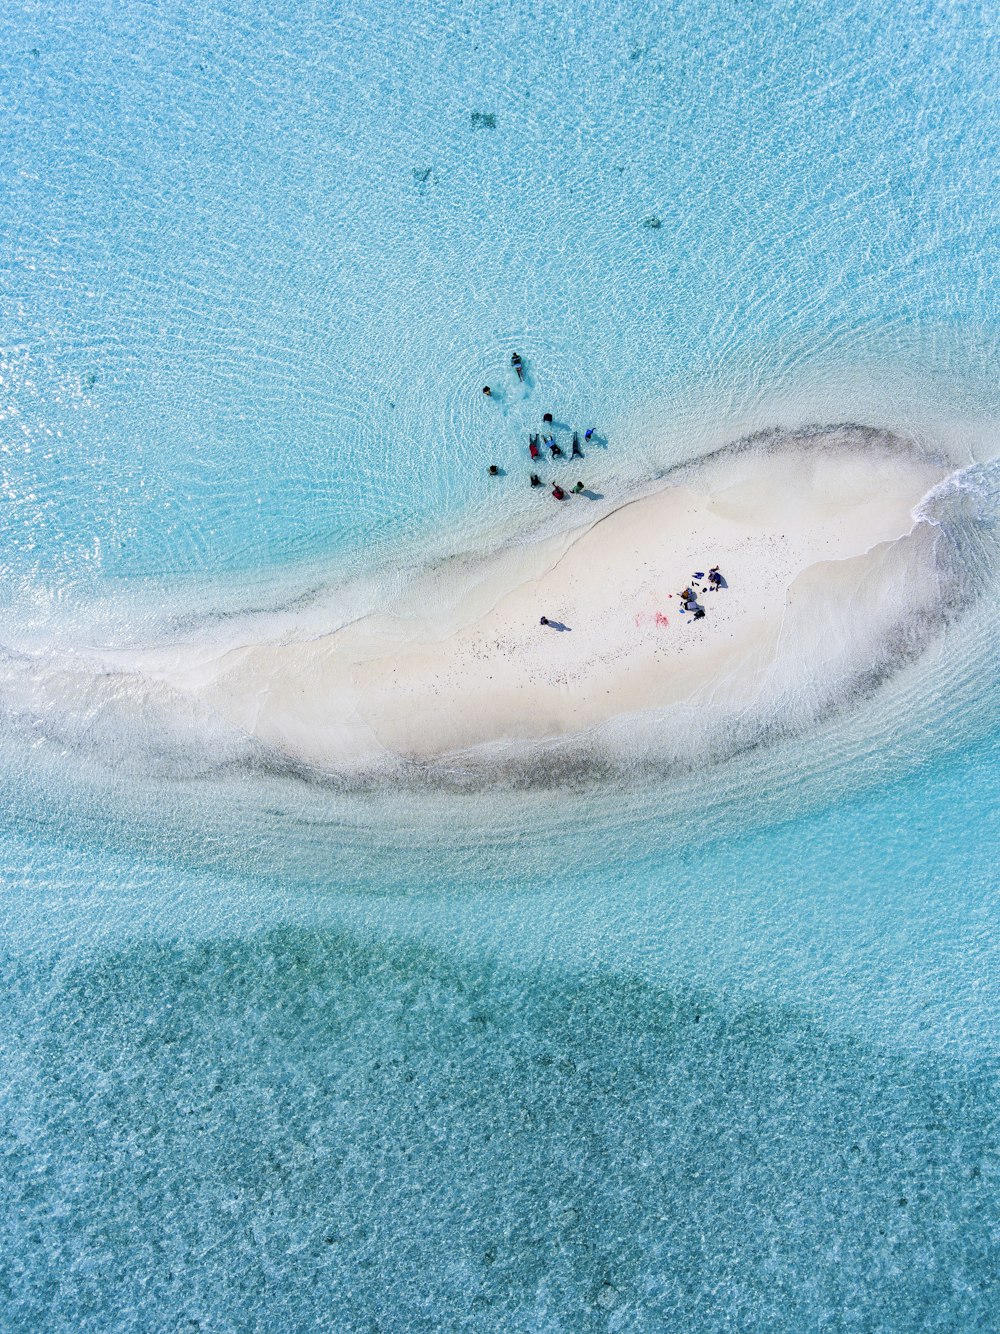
x=818 y=550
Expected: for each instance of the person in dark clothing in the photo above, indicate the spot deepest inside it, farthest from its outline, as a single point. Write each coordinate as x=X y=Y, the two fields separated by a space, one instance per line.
x=588 y=433
x=555 y=450
x=547 y=418
x=493 y=470
x=487 y=391
x=577 y=452
x=715 y=578
x=516 y=362
x=535 y=479
x=544 y=620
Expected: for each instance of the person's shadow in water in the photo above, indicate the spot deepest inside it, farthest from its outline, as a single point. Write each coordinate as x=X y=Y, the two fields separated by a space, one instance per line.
x=557 y=625
x=500 y=400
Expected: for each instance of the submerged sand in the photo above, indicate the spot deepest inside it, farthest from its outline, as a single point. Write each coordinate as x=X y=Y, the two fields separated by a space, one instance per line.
x=820 y=555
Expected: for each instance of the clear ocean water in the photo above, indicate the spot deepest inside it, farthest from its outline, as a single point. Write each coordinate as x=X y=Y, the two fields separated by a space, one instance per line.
x=705 y=1051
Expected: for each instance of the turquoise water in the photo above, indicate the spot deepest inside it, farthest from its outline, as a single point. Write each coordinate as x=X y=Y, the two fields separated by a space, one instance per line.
x=704 y=1050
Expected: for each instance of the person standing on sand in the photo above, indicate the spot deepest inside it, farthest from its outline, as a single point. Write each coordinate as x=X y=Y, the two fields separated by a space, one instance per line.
x=578 y=488
x=588 y=433
x=558 y=493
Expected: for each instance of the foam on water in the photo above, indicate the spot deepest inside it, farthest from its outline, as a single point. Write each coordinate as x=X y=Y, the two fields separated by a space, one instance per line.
x=691 y=1045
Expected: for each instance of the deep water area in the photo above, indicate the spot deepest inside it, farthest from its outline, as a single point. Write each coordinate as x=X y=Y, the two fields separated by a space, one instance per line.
x=380 y=1138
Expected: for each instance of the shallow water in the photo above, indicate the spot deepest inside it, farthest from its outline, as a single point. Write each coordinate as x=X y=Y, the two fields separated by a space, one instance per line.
x=705 y=1048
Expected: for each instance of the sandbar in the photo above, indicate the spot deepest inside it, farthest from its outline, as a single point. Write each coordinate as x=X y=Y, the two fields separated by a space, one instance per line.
x=818 y=546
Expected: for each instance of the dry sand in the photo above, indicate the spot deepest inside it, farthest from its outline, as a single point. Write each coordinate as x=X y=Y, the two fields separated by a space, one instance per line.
x=469 y=664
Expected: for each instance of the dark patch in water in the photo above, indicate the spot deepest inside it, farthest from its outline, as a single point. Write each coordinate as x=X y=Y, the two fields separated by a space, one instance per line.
x=653 y=223
x=485 y=120
x=253 y=1130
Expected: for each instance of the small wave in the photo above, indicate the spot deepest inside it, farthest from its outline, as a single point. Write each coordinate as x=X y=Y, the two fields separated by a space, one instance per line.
x=971 y=494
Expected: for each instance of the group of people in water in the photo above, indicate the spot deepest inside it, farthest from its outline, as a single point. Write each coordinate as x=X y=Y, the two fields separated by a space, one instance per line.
x=546 y=439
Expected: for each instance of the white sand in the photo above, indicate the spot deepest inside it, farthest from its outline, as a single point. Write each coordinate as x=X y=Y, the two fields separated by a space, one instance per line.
x=796 y=534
